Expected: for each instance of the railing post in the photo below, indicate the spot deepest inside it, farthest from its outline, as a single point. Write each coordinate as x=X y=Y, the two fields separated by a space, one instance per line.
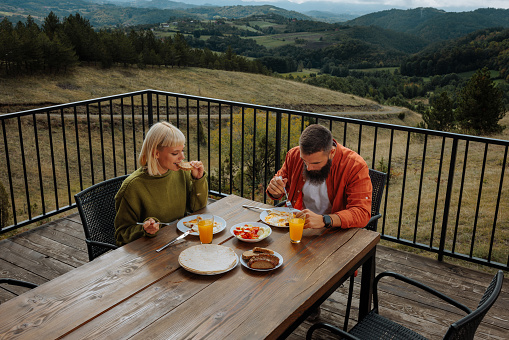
x=278 y=142
x=447 y=203
x=150 y=111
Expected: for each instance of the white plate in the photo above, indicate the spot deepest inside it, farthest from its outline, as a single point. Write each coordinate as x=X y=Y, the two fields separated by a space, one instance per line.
x=244 y=263
x=254 y=224
x=217 y=273
x=265 y=213
x=183 y=228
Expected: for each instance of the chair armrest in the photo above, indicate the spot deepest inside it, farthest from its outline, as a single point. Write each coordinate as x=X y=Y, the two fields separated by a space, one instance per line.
x=20 y=283
x=101 y=244
x=374 y=218
x=331 y=328
x=418 y=285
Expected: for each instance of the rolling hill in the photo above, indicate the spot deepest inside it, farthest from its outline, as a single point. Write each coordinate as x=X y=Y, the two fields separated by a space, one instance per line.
x=110 y=15
x=433 y=24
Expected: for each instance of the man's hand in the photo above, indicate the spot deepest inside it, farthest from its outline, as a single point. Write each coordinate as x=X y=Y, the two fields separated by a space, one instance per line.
x=151 y=226
x=276 y=186
x=313 y=221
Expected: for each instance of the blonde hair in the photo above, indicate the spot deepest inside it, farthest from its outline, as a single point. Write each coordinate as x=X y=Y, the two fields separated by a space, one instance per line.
x=160 y=135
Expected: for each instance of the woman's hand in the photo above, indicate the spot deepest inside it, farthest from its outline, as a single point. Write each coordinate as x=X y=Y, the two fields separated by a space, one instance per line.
x=312 y=220
x=198 y=169
x=151 y=226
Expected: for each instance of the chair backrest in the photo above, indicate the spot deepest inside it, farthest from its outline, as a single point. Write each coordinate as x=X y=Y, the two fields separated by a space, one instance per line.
x=96 y=206
x=378 y=180
x=465 y=328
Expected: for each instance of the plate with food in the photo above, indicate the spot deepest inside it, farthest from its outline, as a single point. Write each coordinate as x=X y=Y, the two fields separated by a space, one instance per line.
x=251 y=231
x=208 y=259
x=261 y=259
x=278 y=217
x=191 y=222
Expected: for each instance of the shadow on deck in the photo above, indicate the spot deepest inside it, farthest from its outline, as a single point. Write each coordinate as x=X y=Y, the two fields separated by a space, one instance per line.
x=57 y=247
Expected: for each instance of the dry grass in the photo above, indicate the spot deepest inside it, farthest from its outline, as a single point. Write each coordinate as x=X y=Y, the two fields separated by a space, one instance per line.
x=89 y=82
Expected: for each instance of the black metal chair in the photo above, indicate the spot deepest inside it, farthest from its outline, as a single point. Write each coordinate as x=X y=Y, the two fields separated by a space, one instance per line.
x=378 y=180
x=375 y=326
x=96 y=206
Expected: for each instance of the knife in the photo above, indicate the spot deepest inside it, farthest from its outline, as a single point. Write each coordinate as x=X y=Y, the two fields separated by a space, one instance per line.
x=175 y=240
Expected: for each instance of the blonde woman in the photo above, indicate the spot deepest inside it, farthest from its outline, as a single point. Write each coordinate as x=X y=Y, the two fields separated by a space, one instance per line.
x=159 y=191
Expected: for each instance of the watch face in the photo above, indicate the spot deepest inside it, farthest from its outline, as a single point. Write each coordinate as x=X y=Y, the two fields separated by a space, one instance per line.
x=327 y=221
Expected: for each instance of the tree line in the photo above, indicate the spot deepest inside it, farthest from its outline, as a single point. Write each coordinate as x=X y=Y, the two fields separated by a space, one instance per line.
x=26 y=48
x=474 y=105
x=487 y=47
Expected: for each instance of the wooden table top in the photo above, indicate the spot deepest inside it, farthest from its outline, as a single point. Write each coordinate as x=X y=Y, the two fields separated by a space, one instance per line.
x=137 y=292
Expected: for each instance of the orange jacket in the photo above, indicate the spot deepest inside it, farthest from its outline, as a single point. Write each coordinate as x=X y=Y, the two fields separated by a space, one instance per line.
x=348 y=185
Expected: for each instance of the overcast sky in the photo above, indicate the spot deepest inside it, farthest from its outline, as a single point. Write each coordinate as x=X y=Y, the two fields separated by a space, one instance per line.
x=441 y=4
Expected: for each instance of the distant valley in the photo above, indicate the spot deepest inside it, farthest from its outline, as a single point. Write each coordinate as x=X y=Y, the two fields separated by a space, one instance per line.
x=395 y=57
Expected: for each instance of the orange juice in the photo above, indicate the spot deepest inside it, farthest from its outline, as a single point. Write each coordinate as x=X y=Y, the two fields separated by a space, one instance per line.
x=206 y=229
x=296 y=227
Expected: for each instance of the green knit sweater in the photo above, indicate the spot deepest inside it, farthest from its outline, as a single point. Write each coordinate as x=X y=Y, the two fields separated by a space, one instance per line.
x=164 y=198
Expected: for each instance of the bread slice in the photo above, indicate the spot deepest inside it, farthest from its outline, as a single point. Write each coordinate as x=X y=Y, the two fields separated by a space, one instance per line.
x=248 y=254
x=263 y=261
x=185 y=165
x=263 y=250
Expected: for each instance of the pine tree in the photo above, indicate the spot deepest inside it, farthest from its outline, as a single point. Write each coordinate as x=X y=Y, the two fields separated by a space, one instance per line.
x=51 y=25
x=480 y=104
x=441 y=115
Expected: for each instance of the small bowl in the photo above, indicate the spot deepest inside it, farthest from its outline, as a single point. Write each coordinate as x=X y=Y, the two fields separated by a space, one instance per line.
x=254 y=224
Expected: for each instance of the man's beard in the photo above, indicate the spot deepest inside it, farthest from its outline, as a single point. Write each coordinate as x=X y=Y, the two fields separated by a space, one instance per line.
x=317 y=176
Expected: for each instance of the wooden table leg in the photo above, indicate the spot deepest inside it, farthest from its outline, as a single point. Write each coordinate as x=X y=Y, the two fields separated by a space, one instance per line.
x=367 y=278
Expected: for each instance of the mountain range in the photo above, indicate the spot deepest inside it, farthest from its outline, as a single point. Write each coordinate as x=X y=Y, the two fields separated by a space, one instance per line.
x=429 y=24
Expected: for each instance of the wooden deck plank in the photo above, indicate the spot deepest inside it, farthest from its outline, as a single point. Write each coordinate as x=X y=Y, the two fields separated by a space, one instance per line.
x=56 y=247
x=71 y=225
x=31 y=260
x=52 y=248
x=14 y=272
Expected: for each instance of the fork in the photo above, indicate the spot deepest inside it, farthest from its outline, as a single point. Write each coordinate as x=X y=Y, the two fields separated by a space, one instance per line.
x=288 y=203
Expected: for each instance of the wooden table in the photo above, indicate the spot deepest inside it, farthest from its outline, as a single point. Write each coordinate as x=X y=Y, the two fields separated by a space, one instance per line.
x=135 y=292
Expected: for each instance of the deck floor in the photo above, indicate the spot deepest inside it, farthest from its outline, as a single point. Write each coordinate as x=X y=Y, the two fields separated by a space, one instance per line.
x=57 y=247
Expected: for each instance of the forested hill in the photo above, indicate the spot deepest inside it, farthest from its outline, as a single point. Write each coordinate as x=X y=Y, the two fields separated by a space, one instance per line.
x=108 y=15
x=433 y=24
x=483 y=48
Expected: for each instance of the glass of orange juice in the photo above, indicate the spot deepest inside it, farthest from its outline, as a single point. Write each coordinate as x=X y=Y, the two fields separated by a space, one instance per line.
x=296 y=227
x=206 y=228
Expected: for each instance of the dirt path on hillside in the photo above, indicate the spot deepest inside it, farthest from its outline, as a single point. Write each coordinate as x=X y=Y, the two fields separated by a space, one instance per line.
x=382 y=110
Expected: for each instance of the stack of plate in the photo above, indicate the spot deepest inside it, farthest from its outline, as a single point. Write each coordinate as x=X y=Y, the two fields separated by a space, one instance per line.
x=208 y=259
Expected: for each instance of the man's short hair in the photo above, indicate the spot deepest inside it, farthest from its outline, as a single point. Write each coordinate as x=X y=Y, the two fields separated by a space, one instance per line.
x=315 y=138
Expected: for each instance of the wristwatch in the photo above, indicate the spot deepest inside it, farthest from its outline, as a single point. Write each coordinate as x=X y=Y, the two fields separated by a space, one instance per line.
x=327 y=221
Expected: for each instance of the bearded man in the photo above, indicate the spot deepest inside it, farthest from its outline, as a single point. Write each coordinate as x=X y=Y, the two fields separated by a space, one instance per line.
x=327 y=181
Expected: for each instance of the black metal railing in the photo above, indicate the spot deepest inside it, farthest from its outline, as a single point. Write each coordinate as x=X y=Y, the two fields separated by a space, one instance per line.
x=445 y=194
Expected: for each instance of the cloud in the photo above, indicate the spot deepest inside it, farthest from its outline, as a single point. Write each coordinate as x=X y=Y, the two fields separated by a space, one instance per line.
x=424 y=3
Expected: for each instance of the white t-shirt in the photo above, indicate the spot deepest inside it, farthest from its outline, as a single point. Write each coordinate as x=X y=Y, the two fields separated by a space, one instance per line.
x=315 y=198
